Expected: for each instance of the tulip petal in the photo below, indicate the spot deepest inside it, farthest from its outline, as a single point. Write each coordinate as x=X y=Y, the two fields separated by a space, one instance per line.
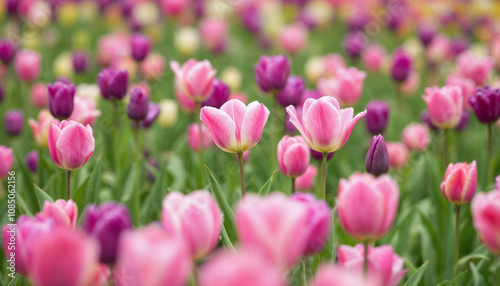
x=253 y=123
x=76 y=144
x=322 y=120
x=236 y=110
x=221 y=127
x=349 y=127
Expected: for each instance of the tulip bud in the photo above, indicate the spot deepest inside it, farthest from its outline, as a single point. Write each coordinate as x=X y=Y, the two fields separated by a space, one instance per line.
x=193 y=136
x=113 y=83
x=401 y=66
x=233 y=77
x=6 y=160
x=219 y=94
x=354 y=44
x=137 y=108
x=292 y=92
x=271 y=73
x=460 y=183
x=477 y=68
x=32 y=161
x=186 y=40
x=486 y=104
x=214 y=33
x=377 y=158
x=377 y=114
x=40 y=95
x=14 y=122
x=61 y=99
x=140 y=46
x=426 y=33
x=12 y=7
x=398 y=154
x=153 y=112
x=416 y=136
x=373 y=58
x=153 y=66
x=27 y=65
x=80 y=61
x=169 y=113
x=293 y=156
x=293 y=38
x=63 y=213
x=106 y=223
x=7 y=51
x=251 y=20
x=305 y=182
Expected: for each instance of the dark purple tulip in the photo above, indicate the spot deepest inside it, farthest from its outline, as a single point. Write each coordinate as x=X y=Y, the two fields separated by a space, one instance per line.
x=292 y=92
x=2 y=93
x=426 y=33
x=271 y=73
x=106 y=223
x=7 y=51
x=219 y=95
x=426 y=118
x=377 y=115
x=137 y=108
x=140 y=46
x=377 y=158
x=356 y=23
x=61 y=99
x=153 y=112
x=401 y=66
x=199 y=8
x=486 y=104
x=459 y=45
x=464 y=121
x=14 y=122
x=354 y=44
x=126 y=8
x=80 y=61
x=32 y=161
x=393 y=22
x=251 y=20
x=113 y=83
x=12 y=7
x=319 y=156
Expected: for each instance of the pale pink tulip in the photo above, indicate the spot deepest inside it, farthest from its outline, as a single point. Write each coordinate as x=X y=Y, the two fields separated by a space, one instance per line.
x=194 y=79
x=331 y=63
x=293 y=38
x=273 y=227
x=41 y=128
x=194 y=218
x=398 y=154
x=6 y=161
x=71 y=144
x=152 y=66
x=27 y=65
x=460 y=183
x=84 y=111
x=367 y=206
x=476 y=68
x=382 y=262
x=373 y=58
x=416 y=136
x=497 y=183
x=63 y=213
x=323 y=125
x=63 y=257
x=306 y=181
x=193 y=137
x=485 y=210
x=346 y=87
x=439 y=49
x=213 y=33
x=410 y=85
x=188 y=105
x=445 y=105
x=101 y=276
x=334 y=275
x=242 y=268
x=293 y=156
x=466 y=85
x=235 y=127
x=112 y=48
x=150 y=257
x=40 y=95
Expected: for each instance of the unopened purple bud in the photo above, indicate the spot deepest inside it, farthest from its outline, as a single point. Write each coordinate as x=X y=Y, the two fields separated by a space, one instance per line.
x=271 y=73
x=219 y=95
x=106 y=223
x=61 y=99
x=464 y=121
x=377 y=115
x=137 y=108
x=426 y=33
x=80 y=61
x=292 y=92
x=140 y=46
x=113 y=83
x=354 y=44
x=377 y=158
x=7 y=51
x=153 y=112
x=486 y=104
x=401 y=66
x=32 y=161
x=14 y=122
x=319 y=156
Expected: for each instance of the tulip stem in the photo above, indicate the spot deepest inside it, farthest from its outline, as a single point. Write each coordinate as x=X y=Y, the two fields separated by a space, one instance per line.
x=275 y=125
x=457 y=240
x=365 y=260
x=323 y=175
x=137 y=194
x=445 y=148
x=293 y=185
x=242 y=176
x=116 y=144
x=304 y=271
x=68 y=186
x=490 y=154
x=201 y=151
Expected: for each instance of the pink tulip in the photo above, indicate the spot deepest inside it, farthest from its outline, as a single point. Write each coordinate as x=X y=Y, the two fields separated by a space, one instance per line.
x=242 y=268
x=112 y=48
x=153 y=66
x=63 y=257
x=63 y=213
x=27 y=65
x=346 y=87
x=382 y=262
x=495 y=50
x=398 y=154
x=476 y=68
x=293 y=156
x=194 y=79
x=274 y=227
x=331 y=63
x=41 y=128
x=324 y=126
x=17 y=239
x=101 y=276
x=71 y=144
x=466 y=85
x=305 y=182
x=188 y=105
x=497 y=183
x=6 y=161
x=194 y=218
x=367 y=206
x=193 y=137
x=214 y=33
x=485 y=210
x=40 y=95
x=235 y=127
x=410 y=85
x=293 y=38
x=445 y=105
x=84 y=111
x=439 y=49
x=373 y=58
x=150 y=257
x=320 y=221
x=174 y=7
x=416 y=136
x=333 y=275
x=460 y=183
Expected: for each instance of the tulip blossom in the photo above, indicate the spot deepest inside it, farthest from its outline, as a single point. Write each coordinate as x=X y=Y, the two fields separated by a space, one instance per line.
x=475 y=67
x=293 y=38
x=377 y=158
x=292 y=93
x=7 y=51
x=80 y=61
x=401 y=66
x=334 y=275
x=84 y=111
x=63 y=213
x=113 y=83
x=61 y=99
x=467 y=86
x=153 y=113
x=140 y=45
x=382 y=262
x=367 y=206
x=41 y=128
x=460 y=183
x=305 y=182
x=353 y=44
x=377 y=115
x=271 y=73
x=153 y=66
x=346 y=87
x=168 y=113
x=293 y=156
x=445 y=105
x=398 y=154
x=194 y=218
x=39 y=95
x=485 y=210
x=6 y=160
x=14 y=122
x=194 y=79
x=373 y=58
x=137 y=108
x=194 y=140
x=219 y=95
x=214 y=33
x=27 y=65
x=273 y=227
x=486 y=104
x=416 y=136
x=32 y=161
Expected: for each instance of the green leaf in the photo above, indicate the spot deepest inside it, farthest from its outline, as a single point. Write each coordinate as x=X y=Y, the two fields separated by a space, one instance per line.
x=128 y=188
x=264 y=191
x=42 y=196
x=225 y=239
x=469 y=257
x=28 y=185
x=417 y=276
x=153 y=199
x=22 y=204
x=94 y=184
x=477 y=279
x=14 y=281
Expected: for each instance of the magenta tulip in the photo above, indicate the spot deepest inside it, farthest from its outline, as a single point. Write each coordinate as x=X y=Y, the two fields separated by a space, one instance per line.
x=445 y=105
x=485 y=210
x=293 y=156
x=334 y=275
x=27 y=65
x=193 y=137
x=63 y=213
x=194 y=79
x=460 y=183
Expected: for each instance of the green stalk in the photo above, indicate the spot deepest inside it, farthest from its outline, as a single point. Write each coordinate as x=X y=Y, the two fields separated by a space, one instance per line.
x=323 y=175
x=293 y=185
x=68 y=185
x=242 y=176
x=365 y=260
x=457 y=240
x=137 y=194
x=201 y=151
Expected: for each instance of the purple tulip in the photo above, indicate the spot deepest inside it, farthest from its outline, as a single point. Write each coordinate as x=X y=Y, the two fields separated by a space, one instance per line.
x=113 y=83
x=140 y=46
x=80 y=61
x=426 y=33
x=61 y=99
x=464 y=121
x=356 y=23
x=377 y=158
x=153 y=112
x=137 y=108
x=319 y=156
x=310 y=93
x=12 y=7
x=459 y=45
x=7 y=51
x=271 y=73
x=14 y=122
x=106 y=223
x=377 y=115
x=393 y=21
x=401 y=66
x=292 y=92
x=354 y=44
x=219 y=95
x=32 y=161
x=251 y=20
x=486 y=104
